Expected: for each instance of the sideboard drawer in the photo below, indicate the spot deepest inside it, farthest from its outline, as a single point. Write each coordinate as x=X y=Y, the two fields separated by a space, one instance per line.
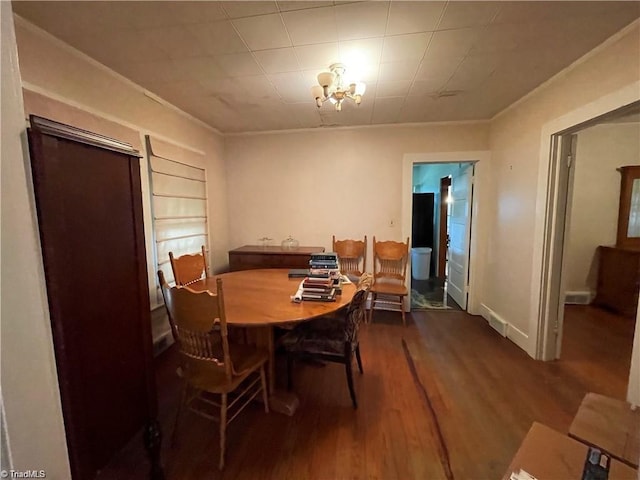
x=252 y=257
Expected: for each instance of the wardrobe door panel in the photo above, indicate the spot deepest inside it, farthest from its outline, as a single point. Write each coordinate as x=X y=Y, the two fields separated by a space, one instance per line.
x=90 y=218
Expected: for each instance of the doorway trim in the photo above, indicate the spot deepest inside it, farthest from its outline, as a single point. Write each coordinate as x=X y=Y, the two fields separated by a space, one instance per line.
x=479 y=223
x=544 y=282
x=443 y=234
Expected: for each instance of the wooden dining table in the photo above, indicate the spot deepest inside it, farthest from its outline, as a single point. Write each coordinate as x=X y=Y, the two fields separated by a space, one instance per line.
x=263 y=299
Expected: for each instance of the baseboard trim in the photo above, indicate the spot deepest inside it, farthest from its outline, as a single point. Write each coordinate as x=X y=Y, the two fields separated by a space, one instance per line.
x=161 y=343
x=582 y=297
x=518 y=337
x=513 y=333
x=485 y=311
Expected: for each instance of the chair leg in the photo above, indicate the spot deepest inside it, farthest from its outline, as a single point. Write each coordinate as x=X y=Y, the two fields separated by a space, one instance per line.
x=265 y=396
x=352 y=391
x=223 y=429
x=181 y=405
x=358 y=359
x=373 y=302
x=289 y=372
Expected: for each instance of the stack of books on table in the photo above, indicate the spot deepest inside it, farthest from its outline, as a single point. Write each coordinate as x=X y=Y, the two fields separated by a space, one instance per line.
x=318 y=289
x=326 y=265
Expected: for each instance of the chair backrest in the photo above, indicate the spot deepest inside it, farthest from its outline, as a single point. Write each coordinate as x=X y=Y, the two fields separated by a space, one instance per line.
x=200 y=325
x=165 y=286
x=390 y=260
x=189 y=268
x=356 y=309
x=350 y=254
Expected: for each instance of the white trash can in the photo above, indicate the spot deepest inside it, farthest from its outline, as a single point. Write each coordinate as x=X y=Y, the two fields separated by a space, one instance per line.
x=420 y=263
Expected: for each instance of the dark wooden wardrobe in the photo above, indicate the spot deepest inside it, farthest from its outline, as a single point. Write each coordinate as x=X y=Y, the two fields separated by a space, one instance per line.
x=618 y=285
x=89 y=204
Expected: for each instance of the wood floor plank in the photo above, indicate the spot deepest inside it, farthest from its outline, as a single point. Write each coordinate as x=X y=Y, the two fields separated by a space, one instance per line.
x=484 y=390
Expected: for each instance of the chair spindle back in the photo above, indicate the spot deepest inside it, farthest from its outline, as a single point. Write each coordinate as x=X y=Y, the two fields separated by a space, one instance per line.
x=390 y=260
x=352 y=255
x=200 y=325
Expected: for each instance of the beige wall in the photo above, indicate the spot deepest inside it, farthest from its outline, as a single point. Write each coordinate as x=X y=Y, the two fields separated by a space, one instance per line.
x=596 y=193
x=312 y=185
x=30 y=394
x=520 y=150
x=66 y=86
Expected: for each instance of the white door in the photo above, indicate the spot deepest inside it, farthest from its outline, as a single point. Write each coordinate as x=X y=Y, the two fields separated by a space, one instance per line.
x=459 y=235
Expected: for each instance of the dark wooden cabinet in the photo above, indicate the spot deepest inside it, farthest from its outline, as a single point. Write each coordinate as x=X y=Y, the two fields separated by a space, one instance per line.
x=89 y=205
x=252 y=257
x=618 y=280
x=619 y=265
x=628 y=235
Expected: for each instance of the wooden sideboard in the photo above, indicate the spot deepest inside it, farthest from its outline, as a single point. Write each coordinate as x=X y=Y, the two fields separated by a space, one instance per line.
x=618 y=279
x=254 y=256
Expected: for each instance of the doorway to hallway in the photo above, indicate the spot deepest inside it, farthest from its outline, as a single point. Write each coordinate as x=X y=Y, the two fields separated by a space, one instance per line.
x=441 y=220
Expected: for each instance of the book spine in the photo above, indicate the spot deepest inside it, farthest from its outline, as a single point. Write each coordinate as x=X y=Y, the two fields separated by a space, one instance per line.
x=323 y=296
x=319 y=299
x=325 y=256
x=323 y=266
x=316 y=290
x=319 y=275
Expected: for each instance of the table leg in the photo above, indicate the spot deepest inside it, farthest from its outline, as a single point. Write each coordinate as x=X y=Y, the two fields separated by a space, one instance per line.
x=264 y=339
x=279 y=401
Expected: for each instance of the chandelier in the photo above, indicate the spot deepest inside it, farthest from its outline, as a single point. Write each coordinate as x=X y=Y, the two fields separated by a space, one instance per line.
x=332 y=88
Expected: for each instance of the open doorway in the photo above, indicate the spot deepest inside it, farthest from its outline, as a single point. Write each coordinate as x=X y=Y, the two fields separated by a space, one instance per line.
x=440 y=235
x=592 y=313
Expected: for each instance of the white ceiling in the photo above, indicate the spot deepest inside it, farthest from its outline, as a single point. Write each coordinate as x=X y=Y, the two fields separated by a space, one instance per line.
x=249 y=66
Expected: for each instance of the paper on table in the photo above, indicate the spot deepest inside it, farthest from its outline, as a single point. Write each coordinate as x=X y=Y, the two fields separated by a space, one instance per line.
x=297 y=298
x=521 y=475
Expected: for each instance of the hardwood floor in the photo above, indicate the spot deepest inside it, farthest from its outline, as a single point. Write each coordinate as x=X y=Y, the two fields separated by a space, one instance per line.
x=445 y=397
x=587 y=348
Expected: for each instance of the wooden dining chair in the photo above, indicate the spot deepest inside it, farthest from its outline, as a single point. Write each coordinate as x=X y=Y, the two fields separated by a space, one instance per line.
x=174 y=331
x=332 y=339
x=389 y=276
x=352 y=255
x=210 y=364
x=189 y=268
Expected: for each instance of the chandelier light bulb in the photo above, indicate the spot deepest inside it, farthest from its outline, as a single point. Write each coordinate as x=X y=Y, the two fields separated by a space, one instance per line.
x=325 y=79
